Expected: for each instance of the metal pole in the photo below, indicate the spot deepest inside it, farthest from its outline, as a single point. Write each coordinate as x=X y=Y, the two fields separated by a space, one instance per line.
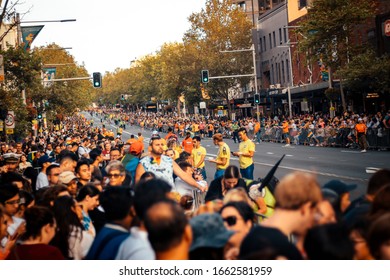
x=255 y=77
x=292 y=83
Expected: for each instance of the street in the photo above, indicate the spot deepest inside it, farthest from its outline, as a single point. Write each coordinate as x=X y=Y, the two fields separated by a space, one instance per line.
x=349 y=166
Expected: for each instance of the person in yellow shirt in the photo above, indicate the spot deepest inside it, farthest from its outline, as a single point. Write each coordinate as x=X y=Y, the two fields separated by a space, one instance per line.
x=198 y=155
x=246 y=151
x=223 y=157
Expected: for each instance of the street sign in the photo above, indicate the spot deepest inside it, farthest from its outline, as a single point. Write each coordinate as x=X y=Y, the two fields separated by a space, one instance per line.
x=1 y=125
x=10 y=120
x=9 y=131
x=202 y=105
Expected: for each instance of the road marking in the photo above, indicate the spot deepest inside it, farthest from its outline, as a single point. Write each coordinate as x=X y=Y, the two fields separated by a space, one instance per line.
x=289 y=155
x=269 y=153
x=296 y=169
x=351 y=152
x=305 y=170
x=371 y=170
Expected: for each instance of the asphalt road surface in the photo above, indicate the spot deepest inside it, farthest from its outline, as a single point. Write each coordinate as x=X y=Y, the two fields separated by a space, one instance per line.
x=349 y=166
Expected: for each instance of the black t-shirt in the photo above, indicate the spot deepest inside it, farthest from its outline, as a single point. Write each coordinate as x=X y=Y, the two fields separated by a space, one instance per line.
x=215 y=189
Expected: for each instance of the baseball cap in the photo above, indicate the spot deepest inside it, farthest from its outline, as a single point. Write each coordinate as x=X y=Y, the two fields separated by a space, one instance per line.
x=209 y=231
x=339 y=187
x=45 y=158
x=66 y=176
x=135 y=148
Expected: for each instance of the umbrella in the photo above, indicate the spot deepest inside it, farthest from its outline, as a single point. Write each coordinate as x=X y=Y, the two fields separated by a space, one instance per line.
x=267 y=179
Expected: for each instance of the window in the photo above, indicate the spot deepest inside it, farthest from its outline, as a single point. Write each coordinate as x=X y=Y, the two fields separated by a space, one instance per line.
x=283 y=76
x=261 y=45
x=272 y=74
x=270 y=41
x=285 y=34
x=274 y=36
x=280 y=36
x=302 y=4
x=265 y=43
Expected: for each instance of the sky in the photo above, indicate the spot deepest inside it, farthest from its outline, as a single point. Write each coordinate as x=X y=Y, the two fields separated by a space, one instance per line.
x=109 y=34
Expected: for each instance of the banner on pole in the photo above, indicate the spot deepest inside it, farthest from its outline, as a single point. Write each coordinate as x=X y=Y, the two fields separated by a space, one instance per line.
x=28 y=34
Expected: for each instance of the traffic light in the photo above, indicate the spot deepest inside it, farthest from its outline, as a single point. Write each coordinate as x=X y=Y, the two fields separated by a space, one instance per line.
x=39 y=117
x=97 y=80
x=122 y=97
x=257 y=98
x=205 y=76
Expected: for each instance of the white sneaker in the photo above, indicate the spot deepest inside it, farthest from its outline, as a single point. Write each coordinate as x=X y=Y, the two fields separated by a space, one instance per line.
x=363 y=151
x=287 y=145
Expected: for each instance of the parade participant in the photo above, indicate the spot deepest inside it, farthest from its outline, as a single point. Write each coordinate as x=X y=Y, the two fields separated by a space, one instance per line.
x=198 y=156
x=187 y=143
x=223 y=157
x=286 y=135
x=361 y=130
x=163 y=166
x=245 y=154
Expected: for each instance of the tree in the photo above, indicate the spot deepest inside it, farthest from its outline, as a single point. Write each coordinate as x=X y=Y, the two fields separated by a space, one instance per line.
x=63 y=96
x=327 y=31
x=221 y=26
x=367 y=72
x=22 y=72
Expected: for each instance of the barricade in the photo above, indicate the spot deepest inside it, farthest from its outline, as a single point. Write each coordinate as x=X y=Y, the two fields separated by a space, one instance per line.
x=378 y=138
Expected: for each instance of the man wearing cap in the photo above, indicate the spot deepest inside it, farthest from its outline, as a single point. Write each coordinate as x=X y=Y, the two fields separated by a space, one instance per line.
x=361 y=130
x=343 y=190
x=11 y=162
x=131 y=159
x=44 y=162
x=70 y=180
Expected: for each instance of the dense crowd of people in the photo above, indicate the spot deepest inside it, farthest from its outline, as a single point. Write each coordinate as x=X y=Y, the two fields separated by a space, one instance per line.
x=80 y=192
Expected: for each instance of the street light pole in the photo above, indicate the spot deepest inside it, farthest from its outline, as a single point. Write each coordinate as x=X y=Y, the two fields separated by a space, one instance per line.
x=254 y=74
x=255 y=77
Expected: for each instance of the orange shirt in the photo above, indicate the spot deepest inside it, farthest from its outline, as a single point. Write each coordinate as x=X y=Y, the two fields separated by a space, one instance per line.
x=360 y=128
x=187 y=145
x=131 y=141
x=285 y=127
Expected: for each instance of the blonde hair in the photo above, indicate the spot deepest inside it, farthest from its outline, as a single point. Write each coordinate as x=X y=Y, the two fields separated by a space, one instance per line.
x=236 y=194
x=296 y=189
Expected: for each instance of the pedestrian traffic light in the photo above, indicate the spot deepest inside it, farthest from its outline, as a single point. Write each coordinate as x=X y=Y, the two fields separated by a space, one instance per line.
x=122 y=97
x=97 y=80
x=205 y=76
x=257 y=98
x=39 y=117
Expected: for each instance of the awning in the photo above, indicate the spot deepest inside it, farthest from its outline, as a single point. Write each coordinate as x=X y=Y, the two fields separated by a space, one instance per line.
x=308 y=87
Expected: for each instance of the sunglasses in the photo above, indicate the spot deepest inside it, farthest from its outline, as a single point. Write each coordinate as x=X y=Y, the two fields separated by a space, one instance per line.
x=114 y=175
x=231 y=220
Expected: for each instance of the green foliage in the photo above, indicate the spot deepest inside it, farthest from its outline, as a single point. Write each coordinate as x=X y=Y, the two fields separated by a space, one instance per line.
x=218 y=27
x=328 y=28
x=175 y=68
x=367 y=72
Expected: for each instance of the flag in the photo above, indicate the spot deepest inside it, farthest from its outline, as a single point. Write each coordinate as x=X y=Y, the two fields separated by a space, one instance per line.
x=28 y=34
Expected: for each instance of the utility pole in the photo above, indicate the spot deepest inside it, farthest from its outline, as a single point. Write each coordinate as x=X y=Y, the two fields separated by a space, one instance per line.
x=254 y=74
